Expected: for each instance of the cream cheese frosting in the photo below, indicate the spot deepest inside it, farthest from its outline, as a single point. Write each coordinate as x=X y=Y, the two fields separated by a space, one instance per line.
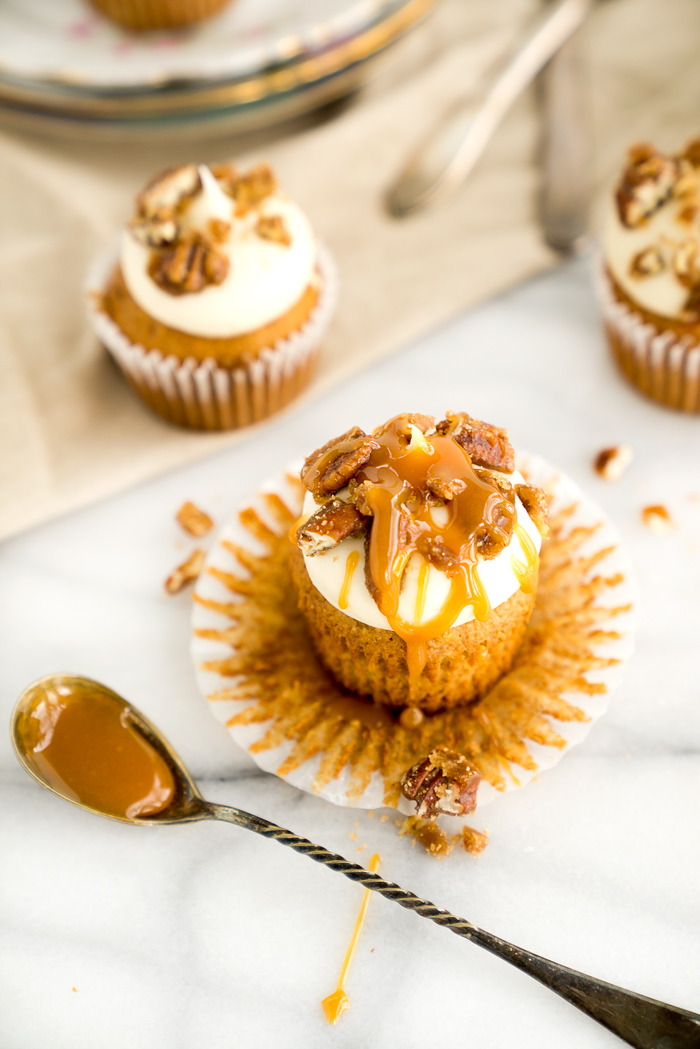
x=265 y=278
x=327 y=571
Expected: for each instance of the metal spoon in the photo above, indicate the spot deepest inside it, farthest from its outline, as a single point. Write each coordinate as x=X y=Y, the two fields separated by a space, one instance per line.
x=448 y=153
x=638 y=1020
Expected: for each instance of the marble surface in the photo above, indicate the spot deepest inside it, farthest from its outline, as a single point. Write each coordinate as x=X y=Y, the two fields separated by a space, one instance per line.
x=205 y=935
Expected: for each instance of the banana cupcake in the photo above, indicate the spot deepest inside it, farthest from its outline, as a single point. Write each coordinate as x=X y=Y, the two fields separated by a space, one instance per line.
x=217 y=302
x=416 y=559
x=159 y=14
x=651 y=274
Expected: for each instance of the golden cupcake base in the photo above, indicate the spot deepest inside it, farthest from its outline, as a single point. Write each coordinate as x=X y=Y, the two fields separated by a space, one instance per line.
x=159 y=14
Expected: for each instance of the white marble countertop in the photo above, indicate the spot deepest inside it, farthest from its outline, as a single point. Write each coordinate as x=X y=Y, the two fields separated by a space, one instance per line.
x=207 y=936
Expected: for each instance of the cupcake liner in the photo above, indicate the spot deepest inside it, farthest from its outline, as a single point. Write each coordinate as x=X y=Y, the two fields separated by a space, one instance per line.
x=662 y=364
x=158 y=14
x=571 y=660
x=201 y=395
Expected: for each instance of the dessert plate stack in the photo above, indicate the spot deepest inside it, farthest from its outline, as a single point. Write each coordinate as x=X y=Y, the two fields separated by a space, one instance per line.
x=67 y=70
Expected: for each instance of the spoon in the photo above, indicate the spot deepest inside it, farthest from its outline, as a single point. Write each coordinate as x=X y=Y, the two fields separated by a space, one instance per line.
x=83 y=742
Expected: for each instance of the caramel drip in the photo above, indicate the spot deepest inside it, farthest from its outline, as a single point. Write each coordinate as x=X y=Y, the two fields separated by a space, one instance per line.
x=525 y=572
x=335 y=1004
x=407 y=519
x=350 y=566
x=423 y=577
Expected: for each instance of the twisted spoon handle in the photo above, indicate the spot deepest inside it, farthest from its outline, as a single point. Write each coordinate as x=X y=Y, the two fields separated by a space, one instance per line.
x=640 y=1021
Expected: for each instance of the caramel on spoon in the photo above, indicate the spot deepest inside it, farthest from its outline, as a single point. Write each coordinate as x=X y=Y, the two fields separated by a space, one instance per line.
x=86 y=744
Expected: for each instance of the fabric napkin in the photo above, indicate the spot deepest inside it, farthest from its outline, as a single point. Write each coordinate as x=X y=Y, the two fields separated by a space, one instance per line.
x=70 y=430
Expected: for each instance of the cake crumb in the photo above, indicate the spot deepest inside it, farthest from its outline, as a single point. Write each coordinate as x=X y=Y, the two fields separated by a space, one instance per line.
x=361 y=848
x=352 y=835
x=658 y=519
x=194 y=521
x=370 y=814
x=383 y=819
x=472 y=841
x=611 y=463
x=185 y=573
x=74 y=989
x=428 y=834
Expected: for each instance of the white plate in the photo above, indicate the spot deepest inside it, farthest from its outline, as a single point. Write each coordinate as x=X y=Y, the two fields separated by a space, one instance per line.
x=69 y=42
x=564 y=494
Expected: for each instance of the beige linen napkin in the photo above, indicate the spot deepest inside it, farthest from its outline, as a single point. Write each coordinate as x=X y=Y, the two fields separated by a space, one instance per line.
x=70 y=430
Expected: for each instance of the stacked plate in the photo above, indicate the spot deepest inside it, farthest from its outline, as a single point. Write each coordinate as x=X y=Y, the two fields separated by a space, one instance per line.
x=64 y=68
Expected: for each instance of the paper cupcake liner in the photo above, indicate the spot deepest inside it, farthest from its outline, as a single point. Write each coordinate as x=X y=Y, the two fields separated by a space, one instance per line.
x=158 y=14
x=202 y=395
x=571 y=660
x=663 y=365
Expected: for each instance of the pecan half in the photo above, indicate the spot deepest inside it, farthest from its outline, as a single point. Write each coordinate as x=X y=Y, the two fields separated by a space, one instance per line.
x=402 y=425
x=535 y=502
x=168 y=190
x=189 y=266
x=250 y=189
x=611 y=463
x=333 y=466
x=485 y=444
x=185 y=573
x=646 y=183
x=326 y=528
x=443 y=783
x=647 y=262
x=156 y=230
x=658 y=519
x=273 y=227
x=193 y=520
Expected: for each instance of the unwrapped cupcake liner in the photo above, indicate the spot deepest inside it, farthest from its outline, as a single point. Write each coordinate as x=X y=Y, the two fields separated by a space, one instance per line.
x=202 y=395
x=662 y=364
x=608 y=615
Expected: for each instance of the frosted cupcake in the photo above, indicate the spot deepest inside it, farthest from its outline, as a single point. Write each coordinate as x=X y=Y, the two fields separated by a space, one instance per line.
x=159 y=14
x=651 y=277
x=220 y=296
x=416 y=559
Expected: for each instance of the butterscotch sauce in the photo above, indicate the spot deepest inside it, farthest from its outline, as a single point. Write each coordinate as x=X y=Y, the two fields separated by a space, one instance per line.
x=83 y=744
x=335 y=1004
x=525 y=572
x=350 y=567
x=407 y=520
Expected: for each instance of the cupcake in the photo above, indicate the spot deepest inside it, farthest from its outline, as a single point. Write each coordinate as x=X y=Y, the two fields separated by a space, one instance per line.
x=651 y=274
x=218 y=298
x=416 y=559
x=159 y=14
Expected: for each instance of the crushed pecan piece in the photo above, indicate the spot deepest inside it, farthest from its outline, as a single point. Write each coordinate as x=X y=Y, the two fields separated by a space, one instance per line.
x=686 y=264
x=647 y=182
x=443 y=783
x=253 y=187
x=185 y=573
x=333 y=466
x=658 y=519
x=424 y=423
x=273 y=227
x=438 y=553
x=326 y=528
x=168 y=190
x=218 y=229
x=472 y=841
x=647 y=262
x=535 y=502
x=445 y=489
x=611 y=463
x=189 y=266
x=193 y=520
x=692 y=152
x=428 y=834
x=156 y=230
x=359 y=495
x=485 y=444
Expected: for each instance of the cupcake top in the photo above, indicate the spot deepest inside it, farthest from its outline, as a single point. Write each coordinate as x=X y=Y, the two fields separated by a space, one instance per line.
x=652 y=233
x=215 y=253
x=419 y=526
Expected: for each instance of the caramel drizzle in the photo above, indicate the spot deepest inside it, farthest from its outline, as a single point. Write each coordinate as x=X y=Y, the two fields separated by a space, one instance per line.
x=525 y=572
x=335 y=1004
x=399 y=472
x=350 y=566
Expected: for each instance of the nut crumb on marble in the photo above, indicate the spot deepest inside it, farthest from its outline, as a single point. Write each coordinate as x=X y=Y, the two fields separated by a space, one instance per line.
x=657 y=519
x=193 y=520
x=185 y=573
x=611 y=463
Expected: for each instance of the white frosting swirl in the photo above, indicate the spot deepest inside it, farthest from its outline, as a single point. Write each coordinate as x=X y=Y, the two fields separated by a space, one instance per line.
x=661 y=293
x=327 y=573
x=265 y=278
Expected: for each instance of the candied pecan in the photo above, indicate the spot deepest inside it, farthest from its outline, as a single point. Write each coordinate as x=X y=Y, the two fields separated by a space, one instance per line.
x=535 y=502
x=444 y=489
x=326 y=528
x=168 y=190
x=189 y=266
x=331 y=467
x=442 y=783
x=273 y=227
x=218 y=229
x=658 y=519
x=156 y=230
x=435 y=550
x=359 y=495
x=686 y=262
x=193 y=520
x=497 y=479
x=647 y=182
x=692 y=152
x=691 y=306
x=401 y=424
x=647 y=262
x=185 y=573
x=249 y=189
x=611 y=463
x=485 y=444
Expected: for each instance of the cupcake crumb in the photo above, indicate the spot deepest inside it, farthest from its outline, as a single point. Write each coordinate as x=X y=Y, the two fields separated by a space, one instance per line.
x=611 y=463
x=658 y=519
x=472 y=841
x=428 y=834
x=194 y=521
x=185 y=573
